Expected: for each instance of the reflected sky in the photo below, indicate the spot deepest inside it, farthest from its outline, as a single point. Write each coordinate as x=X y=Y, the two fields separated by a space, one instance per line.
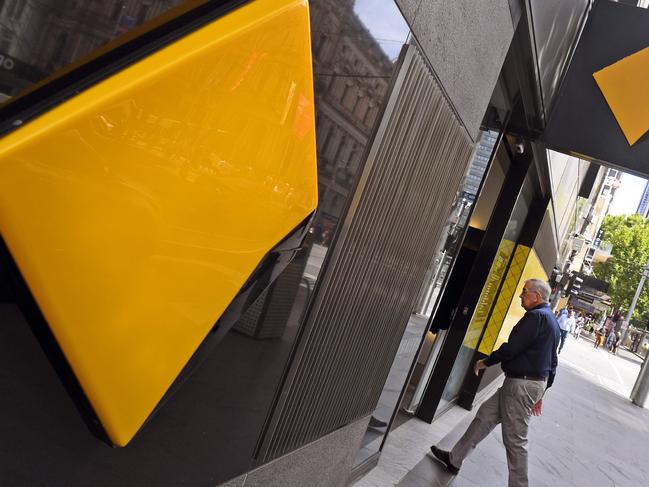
x=384 y=20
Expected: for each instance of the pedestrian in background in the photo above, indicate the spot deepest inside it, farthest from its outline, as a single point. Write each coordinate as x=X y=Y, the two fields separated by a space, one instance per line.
x=566 y=325
x=529 y=360
x=610 y=340
x=599 y=336
x=579 y=324
x=616 y=342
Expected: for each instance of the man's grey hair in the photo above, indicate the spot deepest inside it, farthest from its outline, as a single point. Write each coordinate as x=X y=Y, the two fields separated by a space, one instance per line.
x=541 y=287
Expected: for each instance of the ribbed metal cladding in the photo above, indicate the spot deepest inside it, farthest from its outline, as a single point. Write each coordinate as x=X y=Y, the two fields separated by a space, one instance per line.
x=370 y=286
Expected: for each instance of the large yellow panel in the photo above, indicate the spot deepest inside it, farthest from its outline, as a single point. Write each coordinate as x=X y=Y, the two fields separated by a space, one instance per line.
x=137 y=209
x=624 y=85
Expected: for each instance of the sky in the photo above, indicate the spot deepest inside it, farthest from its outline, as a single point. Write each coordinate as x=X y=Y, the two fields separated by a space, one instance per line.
x=383 y=19
x=626 y=198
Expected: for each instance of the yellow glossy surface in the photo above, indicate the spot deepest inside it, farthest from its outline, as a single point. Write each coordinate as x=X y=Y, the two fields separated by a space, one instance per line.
x=489 y=293
x=137 y=210
x=507 y=295
x=624 y=85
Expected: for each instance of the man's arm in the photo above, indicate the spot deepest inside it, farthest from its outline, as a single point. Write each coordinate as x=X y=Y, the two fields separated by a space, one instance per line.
x=553 y=371
x=538 y=407
x=478 y=366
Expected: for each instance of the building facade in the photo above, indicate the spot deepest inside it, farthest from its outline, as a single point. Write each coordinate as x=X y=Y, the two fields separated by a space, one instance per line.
x=438 y=196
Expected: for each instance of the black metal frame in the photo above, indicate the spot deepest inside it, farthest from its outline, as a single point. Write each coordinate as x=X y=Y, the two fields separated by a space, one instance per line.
x=110 y=59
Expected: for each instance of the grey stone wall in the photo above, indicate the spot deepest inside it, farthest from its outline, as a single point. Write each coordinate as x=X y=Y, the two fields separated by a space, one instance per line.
x=325 y=462
x=466 y=42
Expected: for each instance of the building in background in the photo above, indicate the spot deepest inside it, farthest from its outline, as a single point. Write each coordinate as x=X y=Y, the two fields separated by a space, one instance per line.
x=39 y=37
x=643 y=206
x=586 y=242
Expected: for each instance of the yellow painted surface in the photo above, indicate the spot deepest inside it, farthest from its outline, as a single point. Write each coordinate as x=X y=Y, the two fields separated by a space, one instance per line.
x=489 y=293
x=624 y=85
x=533 y=270
x=503 y=301
x=137 y=209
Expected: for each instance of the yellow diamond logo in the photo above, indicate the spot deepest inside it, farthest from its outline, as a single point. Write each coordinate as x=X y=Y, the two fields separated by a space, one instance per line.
x=624 y=86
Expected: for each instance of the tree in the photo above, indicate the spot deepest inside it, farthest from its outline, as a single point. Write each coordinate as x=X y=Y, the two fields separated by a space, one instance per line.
x=629 y=235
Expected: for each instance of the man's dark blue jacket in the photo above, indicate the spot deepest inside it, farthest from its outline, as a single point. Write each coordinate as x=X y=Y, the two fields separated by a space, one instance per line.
x=531 y=349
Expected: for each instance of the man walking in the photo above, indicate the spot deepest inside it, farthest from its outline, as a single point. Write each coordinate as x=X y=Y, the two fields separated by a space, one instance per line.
x=529 y=360
x=566 y=325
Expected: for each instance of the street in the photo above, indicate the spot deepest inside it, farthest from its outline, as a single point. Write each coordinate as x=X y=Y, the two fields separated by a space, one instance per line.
x=590 y=434
x=614 y=372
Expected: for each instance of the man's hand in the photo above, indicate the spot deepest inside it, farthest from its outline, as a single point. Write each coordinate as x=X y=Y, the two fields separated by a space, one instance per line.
x=479 y=365
x=536 y=409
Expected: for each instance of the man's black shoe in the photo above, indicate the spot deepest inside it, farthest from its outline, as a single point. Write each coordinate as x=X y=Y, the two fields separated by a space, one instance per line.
x=377 y=423
x=444 y=457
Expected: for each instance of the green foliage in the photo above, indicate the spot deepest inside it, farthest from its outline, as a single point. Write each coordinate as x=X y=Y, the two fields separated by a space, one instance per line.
x=629 y=235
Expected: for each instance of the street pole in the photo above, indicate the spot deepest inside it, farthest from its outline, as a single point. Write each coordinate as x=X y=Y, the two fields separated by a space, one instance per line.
x=638 y=290
x=641 y=386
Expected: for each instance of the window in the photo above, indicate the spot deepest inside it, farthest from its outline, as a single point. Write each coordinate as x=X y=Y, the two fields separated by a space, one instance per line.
x=53 y=34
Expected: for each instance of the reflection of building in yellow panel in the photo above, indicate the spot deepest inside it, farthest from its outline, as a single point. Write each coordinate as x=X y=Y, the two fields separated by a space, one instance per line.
x=137 y=210
x=624 y=85
x=489 y=293
x=533 y=270
x=507 y=293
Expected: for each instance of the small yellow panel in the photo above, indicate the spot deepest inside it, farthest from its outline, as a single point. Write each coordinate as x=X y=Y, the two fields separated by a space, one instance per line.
x=505 y=298
x=624 y=85
x=138 y=209
x=533 y=270
x=489 y=293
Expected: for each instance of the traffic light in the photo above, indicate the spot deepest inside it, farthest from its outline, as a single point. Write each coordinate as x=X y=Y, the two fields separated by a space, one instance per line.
x=575 y=284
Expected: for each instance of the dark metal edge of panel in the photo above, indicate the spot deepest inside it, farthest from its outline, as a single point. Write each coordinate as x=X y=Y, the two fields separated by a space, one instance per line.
x=114 y=57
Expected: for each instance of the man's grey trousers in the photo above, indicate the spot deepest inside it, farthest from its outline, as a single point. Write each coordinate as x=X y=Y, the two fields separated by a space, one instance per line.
x=511 y=405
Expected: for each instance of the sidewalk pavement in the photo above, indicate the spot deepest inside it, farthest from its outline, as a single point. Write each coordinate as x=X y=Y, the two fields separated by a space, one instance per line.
x=588 y=435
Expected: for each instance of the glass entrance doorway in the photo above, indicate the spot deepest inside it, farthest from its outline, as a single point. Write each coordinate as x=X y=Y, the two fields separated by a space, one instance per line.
x=386 y=416
x=484 y=313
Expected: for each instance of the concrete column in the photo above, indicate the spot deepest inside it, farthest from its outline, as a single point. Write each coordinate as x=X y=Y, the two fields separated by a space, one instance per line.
x=641 y=387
